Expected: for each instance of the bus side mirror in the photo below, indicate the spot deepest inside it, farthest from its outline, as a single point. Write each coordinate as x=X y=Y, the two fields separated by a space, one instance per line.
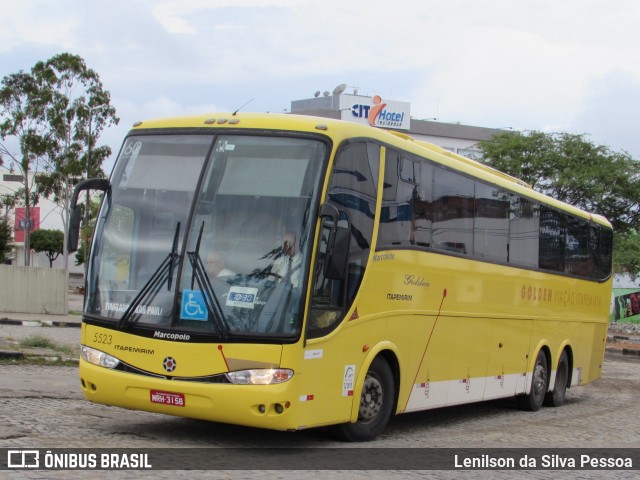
x=337 y=243
x=74 y=228
x=75 y=216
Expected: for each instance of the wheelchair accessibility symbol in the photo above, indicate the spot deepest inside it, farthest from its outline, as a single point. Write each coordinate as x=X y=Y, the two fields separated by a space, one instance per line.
x=193 y=307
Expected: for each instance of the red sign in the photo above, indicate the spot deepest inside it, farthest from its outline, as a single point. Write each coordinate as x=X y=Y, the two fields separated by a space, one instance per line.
x=22 y=224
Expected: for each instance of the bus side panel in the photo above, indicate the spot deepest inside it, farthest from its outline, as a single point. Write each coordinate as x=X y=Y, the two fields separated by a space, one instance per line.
x=508 y=351
x=597 y=354
x=471 y=359
x=326 y=371
x=485 y=325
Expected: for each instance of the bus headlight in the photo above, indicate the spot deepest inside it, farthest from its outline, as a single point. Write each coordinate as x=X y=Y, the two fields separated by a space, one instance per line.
x=96 y=357
x=261 y=376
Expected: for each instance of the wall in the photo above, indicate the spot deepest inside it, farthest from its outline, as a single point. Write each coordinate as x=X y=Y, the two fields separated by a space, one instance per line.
x=33 y=290
x=626 y=305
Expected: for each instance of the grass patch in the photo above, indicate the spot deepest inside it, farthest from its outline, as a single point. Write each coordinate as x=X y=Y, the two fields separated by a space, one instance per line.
x=40 y=341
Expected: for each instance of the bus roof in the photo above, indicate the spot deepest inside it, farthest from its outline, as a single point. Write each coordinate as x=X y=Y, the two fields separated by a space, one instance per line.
x=340 y=130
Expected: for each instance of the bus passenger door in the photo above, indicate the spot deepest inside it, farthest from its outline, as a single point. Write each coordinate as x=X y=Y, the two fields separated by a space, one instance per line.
x=333 y=361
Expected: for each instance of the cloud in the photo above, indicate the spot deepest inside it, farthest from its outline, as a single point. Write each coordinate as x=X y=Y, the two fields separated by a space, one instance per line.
x=496 y=63
x=609 y=115
x=131 y=112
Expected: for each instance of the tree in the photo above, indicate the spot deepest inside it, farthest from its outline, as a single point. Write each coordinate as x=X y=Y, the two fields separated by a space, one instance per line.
x=22 y=106
x=5 y=241
x=56 y=113
x=626 y=253
x=86 y=233
x=572 y=169
x=49 y=242
x=8 y=202
x=77 y=114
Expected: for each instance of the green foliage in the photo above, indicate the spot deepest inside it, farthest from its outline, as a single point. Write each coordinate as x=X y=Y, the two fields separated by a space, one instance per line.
x=6 y=248
x=49 y=242
x=86 y=232
x=22 y=117
x=56 y=113
x=77 y=113
x=574 y=170
x=85 y=239
x=40 y=341
x=626 y=253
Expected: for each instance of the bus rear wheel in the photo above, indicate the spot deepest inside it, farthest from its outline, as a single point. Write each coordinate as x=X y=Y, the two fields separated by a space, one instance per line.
x=376 y=404
x=555 y=398
x=533 y=400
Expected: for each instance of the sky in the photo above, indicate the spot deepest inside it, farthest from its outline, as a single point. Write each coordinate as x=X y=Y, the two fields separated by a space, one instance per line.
x=550 y=65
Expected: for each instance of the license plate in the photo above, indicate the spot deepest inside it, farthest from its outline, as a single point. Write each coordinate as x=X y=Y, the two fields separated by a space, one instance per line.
x=167 y=398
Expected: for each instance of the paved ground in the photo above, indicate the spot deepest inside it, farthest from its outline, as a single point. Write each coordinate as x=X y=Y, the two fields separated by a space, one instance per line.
x=44 y=408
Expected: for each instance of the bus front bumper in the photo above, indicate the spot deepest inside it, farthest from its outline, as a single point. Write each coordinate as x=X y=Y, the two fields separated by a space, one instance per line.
x=262 y=406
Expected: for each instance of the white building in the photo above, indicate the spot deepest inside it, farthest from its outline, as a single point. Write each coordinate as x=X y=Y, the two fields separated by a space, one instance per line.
x=395 y=115
x=49 y=216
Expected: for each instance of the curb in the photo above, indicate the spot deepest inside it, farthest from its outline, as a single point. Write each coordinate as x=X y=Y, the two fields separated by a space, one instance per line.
x=623 y=352
x=11 y=355
x=39 y=323
x=631 y=352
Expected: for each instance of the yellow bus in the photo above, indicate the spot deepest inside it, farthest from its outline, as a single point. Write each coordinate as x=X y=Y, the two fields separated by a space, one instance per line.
x=289 y=272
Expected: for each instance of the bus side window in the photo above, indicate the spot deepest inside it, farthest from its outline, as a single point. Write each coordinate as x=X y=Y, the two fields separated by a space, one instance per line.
x=553 y=237
x=453 y=211
x=576 y=251
x=491 y=227
x=524 y=232
x=406 y=202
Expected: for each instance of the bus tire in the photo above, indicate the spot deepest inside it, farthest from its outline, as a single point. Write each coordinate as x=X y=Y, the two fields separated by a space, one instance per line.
x=376 y=404
x=533 y=400
x=555 y=398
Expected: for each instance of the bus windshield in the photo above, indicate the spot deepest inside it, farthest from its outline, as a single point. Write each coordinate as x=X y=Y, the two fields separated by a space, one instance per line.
x=206 y=234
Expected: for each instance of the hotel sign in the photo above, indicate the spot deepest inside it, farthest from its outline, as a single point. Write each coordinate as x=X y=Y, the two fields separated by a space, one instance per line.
x=375 y=111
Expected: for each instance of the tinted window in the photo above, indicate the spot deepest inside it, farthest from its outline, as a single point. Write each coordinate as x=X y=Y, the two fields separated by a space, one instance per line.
x=552 y=239
x=395 y=219
x=524 y=232
x=425 y=205
x=352 y=190
x=491 y=229
x=577 y=258
x=600 y=249
x=453 y=202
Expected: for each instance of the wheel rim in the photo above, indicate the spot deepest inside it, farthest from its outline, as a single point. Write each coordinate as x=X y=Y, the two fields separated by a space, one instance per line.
x=371 y=399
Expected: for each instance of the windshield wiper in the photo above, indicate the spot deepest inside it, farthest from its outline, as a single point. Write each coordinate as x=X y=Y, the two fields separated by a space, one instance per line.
x=216 y=315
x=154 y=283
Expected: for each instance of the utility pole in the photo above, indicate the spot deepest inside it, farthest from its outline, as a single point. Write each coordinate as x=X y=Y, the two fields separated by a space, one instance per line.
x=87 y=208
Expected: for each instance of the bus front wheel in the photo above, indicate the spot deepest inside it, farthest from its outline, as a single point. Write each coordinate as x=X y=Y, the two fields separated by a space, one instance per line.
x=555 y=398
x=376 y=403
x=532 y=401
